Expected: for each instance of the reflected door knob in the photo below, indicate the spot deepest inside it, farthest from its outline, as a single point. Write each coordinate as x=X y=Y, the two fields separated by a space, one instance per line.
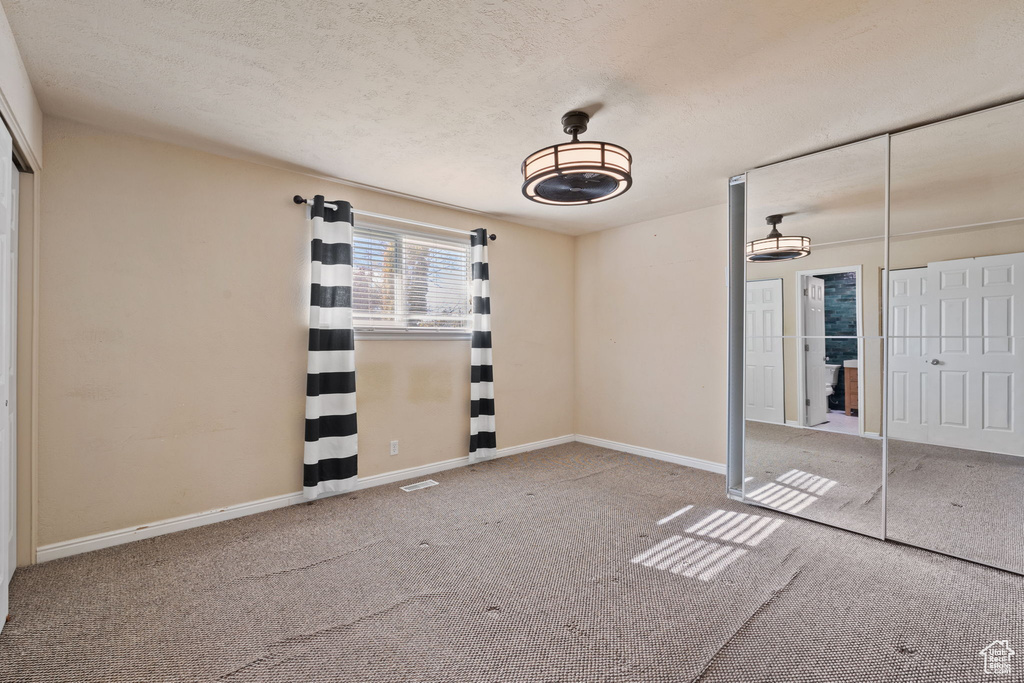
x=935 y=361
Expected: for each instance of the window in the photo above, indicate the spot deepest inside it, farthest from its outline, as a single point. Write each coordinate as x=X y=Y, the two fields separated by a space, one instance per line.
x=407 y=282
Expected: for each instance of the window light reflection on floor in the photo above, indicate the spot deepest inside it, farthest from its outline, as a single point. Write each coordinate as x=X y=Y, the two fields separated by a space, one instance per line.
x=693 y=554
x=696 y=556
x=806 y=481
x=792 y=491
x=691 y=557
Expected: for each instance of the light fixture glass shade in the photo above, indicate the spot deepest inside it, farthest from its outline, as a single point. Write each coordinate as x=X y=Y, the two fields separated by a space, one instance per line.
x=778 y=248
x=577 y=173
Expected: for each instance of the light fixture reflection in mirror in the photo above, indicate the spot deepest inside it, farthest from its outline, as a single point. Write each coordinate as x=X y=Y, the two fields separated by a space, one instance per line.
x=776 y=246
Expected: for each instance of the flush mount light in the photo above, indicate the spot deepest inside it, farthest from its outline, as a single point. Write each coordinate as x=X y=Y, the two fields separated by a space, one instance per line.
x=576 y=172
x=776 y=246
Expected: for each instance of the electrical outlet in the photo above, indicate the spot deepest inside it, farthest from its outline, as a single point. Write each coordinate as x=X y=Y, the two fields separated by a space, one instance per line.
x=394 y=447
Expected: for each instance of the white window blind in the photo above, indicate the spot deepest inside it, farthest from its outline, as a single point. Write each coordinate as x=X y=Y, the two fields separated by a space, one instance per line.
x=409 y=281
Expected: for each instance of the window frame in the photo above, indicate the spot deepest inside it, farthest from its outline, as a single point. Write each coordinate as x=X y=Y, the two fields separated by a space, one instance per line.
x=369 y=332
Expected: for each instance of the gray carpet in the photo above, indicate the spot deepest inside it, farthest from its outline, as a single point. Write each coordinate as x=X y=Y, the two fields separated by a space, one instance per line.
x=518 y=569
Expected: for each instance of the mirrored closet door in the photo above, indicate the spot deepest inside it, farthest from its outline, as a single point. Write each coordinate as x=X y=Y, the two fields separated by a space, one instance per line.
x=956 y=364
x=813 y=345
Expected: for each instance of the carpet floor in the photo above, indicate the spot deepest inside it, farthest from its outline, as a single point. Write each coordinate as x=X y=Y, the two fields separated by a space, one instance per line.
x=556 y=565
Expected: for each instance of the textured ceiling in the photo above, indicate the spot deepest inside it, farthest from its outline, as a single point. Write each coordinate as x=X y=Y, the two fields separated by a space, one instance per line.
x=442 y=99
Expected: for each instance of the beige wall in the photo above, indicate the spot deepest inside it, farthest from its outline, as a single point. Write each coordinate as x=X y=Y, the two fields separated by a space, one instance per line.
x=651 y=334
x=172 y=314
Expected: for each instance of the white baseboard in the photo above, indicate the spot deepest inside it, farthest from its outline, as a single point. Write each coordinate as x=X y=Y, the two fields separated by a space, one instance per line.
x=684 y=460
x=536 y=445
x=108 y=539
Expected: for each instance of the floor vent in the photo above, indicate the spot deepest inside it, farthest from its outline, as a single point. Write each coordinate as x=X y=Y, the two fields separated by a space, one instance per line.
x=419 y=485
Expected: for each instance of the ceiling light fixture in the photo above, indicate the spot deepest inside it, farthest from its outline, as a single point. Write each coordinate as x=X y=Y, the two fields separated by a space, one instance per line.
x=577 y=172
x=777 y=247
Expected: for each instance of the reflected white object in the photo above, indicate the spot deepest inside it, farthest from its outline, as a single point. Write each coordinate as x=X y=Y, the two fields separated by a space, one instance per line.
x=765 y=390
x=954 y=366
x=850 y=363
x=831 y=378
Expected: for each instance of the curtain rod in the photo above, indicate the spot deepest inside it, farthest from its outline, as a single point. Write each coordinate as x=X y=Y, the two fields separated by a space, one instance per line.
x=368 y=214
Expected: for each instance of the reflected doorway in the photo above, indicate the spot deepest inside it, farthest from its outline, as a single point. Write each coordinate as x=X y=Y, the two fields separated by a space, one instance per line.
x=828 y=364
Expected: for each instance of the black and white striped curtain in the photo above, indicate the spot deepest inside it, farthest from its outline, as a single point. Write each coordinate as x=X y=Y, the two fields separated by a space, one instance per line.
x=329 y=459
x=482 y=442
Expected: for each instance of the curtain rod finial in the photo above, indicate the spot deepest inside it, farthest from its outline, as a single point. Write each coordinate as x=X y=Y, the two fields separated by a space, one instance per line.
x=298 y=199
x=493 y=237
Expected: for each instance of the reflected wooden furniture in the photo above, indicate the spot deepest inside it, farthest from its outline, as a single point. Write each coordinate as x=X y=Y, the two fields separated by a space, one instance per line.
x=851 y=390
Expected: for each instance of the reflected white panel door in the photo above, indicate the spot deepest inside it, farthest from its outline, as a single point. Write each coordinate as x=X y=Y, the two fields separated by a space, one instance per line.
x=6 y=451
x=908 y=349
x=764 y=392
x=815 y=376
x=975 y=368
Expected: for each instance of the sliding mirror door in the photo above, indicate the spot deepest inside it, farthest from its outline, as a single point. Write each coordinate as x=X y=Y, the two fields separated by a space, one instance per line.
x=956 y=360
x=813 y=339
